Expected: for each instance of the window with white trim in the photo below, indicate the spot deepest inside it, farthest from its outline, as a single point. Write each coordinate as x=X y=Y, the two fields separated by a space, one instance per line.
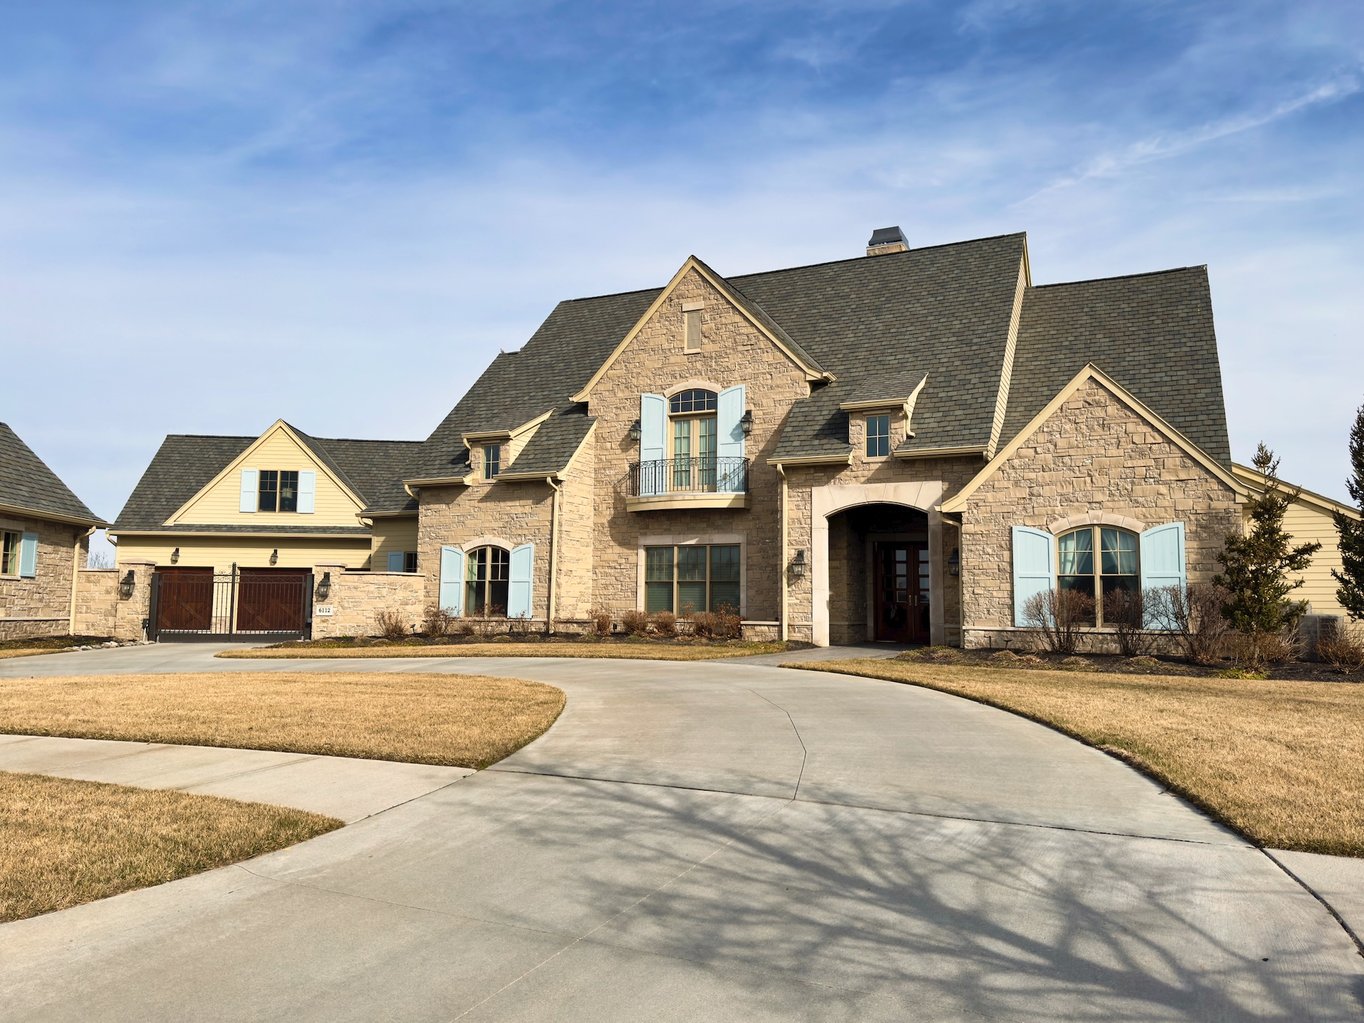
x=9 y=553
x=878 y=436
x=686 y=578
x=1115 y=569
x=486 y=574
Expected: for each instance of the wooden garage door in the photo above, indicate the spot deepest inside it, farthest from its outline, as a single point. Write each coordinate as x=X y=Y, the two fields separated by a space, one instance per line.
x=272 y=599
x=184 y=599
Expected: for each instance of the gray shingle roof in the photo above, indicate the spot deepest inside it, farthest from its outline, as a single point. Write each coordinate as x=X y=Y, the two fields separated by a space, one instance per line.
x=1153 y=333
x=185 y=463
x=28 y=484
x=554 y=442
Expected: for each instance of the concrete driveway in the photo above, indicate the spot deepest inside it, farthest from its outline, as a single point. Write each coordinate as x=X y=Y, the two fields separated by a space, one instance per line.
x=716 y=842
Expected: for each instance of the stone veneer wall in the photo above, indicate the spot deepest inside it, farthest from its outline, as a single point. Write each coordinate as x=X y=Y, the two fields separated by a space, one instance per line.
x=732 y=352
x=510 y=513
x=576 y=560
x=356 y=597
x=1094 y=457
x=41 y=606
x=102 y=611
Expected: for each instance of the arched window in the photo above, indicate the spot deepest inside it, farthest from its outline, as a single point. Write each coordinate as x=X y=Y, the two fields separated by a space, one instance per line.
x=1113 y=571
x=487 y=571
x=692 y=436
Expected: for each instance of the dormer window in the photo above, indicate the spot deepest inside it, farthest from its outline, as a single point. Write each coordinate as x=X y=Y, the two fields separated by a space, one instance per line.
x=492 y=460
x=878 y=436
x=278 y=490
x=691 y=327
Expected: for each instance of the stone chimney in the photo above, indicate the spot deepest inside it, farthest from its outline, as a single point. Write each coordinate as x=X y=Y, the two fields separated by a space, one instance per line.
x=885 y=240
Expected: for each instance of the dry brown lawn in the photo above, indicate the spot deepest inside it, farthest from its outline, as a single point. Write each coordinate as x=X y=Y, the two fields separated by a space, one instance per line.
x=460 y=720
x=567 y=648
x=1282 y=762
x=67 y=842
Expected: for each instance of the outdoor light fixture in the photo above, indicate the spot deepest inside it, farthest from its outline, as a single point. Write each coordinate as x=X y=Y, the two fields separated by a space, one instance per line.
x=175 y=555
x=274 y=556
x=746 y=423
x=126 y=584
x=954 y=562
x=324 y=588
x=798 y=565
x=635 y=430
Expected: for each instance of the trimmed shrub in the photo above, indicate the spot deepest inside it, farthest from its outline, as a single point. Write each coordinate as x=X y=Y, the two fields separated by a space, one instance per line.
x=1193 y=614
x=600 y=619
x=436 y=621
x=1125 y=614
x=1341 y=649
x=664 y=624
x=636 y=623
x=1058 y=616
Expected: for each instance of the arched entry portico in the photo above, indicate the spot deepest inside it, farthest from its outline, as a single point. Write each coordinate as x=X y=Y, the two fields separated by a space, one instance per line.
x=831 y=500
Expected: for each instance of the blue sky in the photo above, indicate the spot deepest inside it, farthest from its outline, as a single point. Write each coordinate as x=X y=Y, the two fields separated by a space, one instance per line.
x=217 y=214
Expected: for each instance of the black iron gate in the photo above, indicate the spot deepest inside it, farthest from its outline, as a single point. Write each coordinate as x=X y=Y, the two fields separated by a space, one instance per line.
x=245 y=603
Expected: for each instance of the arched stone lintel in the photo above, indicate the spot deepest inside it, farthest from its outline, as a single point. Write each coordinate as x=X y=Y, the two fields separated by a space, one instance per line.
x=1096 y=518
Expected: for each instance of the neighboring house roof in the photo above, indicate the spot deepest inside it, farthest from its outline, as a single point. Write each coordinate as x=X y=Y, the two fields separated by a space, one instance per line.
x=1258 y=480
x=1151 y=332
x=186 y=463
x=28 y=485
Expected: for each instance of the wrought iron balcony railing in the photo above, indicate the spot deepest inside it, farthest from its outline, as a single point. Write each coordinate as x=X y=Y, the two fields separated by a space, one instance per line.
x=689 y=476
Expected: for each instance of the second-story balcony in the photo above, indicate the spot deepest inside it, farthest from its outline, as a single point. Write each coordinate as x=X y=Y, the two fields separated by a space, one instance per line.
x=705 y=482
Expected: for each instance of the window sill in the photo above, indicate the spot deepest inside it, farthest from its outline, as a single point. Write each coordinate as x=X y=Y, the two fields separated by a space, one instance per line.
x=673 y=502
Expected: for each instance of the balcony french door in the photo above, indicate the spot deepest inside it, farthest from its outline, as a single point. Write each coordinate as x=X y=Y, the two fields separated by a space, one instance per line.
x=693 y=454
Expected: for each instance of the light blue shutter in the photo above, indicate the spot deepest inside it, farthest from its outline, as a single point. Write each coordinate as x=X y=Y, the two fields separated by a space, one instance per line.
x=28 y=556
x=307 y=491
x=249 y=489
x=653 y=444
x=395 y=561
x=729 y=411
x=519 y=581
x=1161 y=550
x=1034 y=567
x=452 y=580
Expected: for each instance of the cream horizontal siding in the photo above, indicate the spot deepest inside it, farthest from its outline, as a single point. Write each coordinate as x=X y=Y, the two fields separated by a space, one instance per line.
x=221 y=553
x=221 y=503
x=392 y=536
x=1308 y=523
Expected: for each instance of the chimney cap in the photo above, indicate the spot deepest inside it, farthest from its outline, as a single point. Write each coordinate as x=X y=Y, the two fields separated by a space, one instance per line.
x=885 y=240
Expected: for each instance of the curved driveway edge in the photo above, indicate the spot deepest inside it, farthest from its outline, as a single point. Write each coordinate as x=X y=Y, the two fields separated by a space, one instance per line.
x=724 y=841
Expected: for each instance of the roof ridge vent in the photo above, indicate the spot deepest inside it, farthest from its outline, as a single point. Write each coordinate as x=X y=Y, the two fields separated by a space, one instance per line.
x=885 y=240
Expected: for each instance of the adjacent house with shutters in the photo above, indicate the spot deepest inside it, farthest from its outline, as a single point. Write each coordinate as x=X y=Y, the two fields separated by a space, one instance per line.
x=44 y=540
x=901 y=446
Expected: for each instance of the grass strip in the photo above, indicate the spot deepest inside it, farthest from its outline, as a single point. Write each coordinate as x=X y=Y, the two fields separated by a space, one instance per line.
x=1279 y=761
x=568 y=648
x=456 y=720
x=66 y=842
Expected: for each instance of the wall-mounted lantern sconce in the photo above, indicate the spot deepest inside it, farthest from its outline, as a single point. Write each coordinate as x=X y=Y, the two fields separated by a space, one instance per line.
x=746 y=423
x=954 y=562
x=635 y=431
x=798 y=565
x=126 y=584
x=324 y=588
x=175 y=556
x=274 y=556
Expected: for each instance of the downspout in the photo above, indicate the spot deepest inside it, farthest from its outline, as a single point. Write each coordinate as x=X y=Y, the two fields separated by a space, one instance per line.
x=75 y=577
x=553 y=551
x=781 y=561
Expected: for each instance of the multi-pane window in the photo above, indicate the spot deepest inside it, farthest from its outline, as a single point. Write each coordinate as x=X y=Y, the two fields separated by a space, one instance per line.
x=492 y=460
x=485 y=587
x=409 y=561
x=278 y=490
x=693 y=415
x=1114 y=570
x=878 y=436
x=691 y=577
x=9 y=554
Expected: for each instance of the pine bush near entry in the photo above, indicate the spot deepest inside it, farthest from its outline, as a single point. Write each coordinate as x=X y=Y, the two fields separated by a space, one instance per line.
x=1351 y=530
x=1256 y=566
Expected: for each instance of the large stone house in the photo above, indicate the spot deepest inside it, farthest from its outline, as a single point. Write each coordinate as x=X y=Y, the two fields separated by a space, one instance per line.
x=901 y=446
x=44 y=541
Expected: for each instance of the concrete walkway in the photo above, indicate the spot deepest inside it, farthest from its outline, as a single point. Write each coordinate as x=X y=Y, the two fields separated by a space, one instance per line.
x=718 y=841
x=342 y=787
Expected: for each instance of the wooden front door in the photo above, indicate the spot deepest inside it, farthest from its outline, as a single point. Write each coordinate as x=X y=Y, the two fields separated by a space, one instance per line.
x=900 y=591
x=272 y=599
x=184 y=599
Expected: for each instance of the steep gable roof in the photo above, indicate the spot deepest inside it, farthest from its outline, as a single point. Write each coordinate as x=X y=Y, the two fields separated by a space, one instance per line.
x=186 y=463
x=1151 y=332
x=28 y=485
